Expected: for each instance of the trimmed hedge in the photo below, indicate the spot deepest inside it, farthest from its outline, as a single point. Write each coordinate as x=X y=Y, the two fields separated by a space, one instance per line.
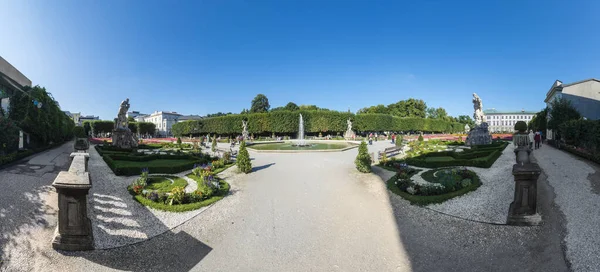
x=314 y=122
x=477 y=158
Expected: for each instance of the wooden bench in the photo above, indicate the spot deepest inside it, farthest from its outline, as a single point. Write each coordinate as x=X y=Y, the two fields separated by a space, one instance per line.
x=391 y=151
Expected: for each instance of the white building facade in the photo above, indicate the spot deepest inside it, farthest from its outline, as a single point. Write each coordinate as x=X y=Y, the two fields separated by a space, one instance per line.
x=504 y=121
x=163 y=120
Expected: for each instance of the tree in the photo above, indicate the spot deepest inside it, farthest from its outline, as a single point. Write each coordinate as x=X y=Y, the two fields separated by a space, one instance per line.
x=437 y=113
x=291 y=106
x=130 y=119
x=260 y=103
x=179 y=142
x=245 y=111
x=408 y=108
x=539 y=121
x=363 y=160
x=243 y=159
x=382 y=109
x=466 y=120
x=561 y=111
x=146 y=128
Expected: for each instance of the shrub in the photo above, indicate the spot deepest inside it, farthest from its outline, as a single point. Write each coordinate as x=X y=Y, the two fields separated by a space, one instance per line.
x=399 y=139
x=521 y=126
x=243 y=159
x=179 y=141
x=177 y=196
x=9 y=136
x=79 y=132
x=420 y=138
x=226 y=157
x=214 y=144
x=363 y=160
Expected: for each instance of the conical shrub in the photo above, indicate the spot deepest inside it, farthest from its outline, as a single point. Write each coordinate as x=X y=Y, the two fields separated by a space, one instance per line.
x=243 y=159
x=363 y=160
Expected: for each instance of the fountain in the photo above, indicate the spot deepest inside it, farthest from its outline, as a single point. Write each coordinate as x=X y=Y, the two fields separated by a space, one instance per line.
x=300 y=142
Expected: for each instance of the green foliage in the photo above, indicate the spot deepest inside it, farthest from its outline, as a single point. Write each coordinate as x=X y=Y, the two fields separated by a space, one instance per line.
x=102 y=126
x=177 y=196
x=144 y=128
x=539 y=121
x=363 y=159
x=9 y=136
x=260 y=103
x=179 y=141
x=133 y=127
x=480 y=156
x=291 y=106
x=466 y=120
x=243 y=159
x=79 y=132
x=44 y=125
x=404 y=108
x=582 y=133
x=399 y=139
x=561 y=111
x=87 y=127
x=420 y=139
x=521 y=126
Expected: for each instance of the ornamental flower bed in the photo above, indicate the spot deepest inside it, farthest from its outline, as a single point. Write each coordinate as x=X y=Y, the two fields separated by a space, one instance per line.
x=210 y=189
x=438 y=182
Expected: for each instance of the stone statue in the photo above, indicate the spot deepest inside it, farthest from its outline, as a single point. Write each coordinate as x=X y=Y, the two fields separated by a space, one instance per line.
x=349 y=134
x=467 y=128
x=478 y=107
x=121 y=123
x=480 y=134
x=244 y=129
x=122 y=136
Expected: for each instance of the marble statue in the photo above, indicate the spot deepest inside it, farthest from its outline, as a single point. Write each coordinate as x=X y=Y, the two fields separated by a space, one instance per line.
x=349 y=134
x=480 y=134
x=478 y=107
x=121 y=123
x=244 y=129
x=122 y=136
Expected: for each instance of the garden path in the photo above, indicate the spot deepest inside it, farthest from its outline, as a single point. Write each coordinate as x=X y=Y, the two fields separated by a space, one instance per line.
x=576 y=182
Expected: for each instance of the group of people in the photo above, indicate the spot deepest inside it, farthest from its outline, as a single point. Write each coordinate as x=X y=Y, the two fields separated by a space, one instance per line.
x=535 y=138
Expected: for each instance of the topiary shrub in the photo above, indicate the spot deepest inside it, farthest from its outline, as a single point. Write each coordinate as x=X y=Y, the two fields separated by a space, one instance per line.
x=214 y=144
x=521 y=126
x=79 y=132
x=243 y=159
x=363 y=160
x=399 y=139
x=420 y=138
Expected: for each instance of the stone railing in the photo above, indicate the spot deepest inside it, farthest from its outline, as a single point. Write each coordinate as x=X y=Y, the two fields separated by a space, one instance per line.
x=74 y=230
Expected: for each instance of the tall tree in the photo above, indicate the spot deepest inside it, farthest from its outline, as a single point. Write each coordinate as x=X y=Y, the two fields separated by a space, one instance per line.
x=291 y=106
x=539 y=121
x=561 y=110
x=466 y=120
x=375 y=109
x=260 y=103
x=437 y=113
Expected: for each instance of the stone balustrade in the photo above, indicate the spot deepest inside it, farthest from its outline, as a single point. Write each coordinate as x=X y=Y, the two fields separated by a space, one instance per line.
x=74 y=230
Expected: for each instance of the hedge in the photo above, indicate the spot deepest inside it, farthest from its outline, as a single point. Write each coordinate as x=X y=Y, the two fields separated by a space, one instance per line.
x=476 y=158
x=582 y=133
x=286 y=122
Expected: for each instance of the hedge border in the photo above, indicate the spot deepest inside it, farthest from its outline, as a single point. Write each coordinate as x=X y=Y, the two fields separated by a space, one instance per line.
x=481 y=162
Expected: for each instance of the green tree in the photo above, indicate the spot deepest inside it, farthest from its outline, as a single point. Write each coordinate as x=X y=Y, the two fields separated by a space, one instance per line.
x=399 y=139
x=420 y=139
x=539 y=121
x=291 y=106
x=130 y=119
x=363 y=160
x=243 y=159
x=381 y=109
x=260 y=103
x=179 y=142
x=437 y=113
x=466 y=120
x=561 y=111
x=408 y=108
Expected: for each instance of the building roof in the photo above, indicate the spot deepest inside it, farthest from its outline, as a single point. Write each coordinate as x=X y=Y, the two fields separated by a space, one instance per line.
x=494 y=111
x=189 y=117
x=558 y=85
x=12 y=73
x=164 y=112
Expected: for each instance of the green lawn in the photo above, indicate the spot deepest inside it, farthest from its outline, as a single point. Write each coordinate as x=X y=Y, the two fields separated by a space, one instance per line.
x=164 y=183
x=288 y=146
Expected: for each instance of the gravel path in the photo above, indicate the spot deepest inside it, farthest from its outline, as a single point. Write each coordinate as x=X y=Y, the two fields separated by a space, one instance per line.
x=571 y=178
x=118 y=219
x=490 y=202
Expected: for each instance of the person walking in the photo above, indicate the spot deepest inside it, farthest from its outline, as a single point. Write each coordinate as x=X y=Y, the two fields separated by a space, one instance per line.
x=538 y=140
x=393 y=138
x=531 y=136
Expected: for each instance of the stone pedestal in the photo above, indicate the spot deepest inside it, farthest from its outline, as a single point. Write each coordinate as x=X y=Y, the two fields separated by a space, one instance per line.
x=124 y=138
x=74 y=231
x=523 y=209
x=480 y=135
x=349 y=135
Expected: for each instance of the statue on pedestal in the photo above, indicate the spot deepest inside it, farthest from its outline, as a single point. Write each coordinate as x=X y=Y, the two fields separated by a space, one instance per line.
x=478 y=107
x=480 y=134
x=349 y=134
x=245 y=129
x=122 y=136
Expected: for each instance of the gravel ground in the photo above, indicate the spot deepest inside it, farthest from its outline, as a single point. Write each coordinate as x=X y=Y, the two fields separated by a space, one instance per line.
x=118 y=219
x=490 y=202
x=570 y=177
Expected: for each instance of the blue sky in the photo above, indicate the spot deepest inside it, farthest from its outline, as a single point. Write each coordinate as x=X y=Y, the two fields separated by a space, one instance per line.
x=202 y=57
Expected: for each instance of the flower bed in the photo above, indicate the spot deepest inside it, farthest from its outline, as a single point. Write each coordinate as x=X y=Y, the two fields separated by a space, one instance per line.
x=210 y=189
x=482 y=156
x=433 y=186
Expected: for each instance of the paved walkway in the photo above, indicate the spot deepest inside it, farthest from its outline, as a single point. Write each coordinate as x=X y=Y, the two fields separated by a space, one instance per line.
x=577 y=185
x=314 y=212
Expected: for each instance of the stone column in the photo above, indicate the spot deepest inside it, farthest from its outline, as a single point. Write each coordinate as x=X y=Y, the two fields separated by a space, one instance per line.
x=74 y=231
x=523 y=209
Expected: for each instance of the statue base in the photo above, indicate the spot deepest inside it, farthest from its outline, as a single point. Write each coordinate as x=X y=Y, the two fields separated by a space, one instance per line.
x=124 y=139
x=480 y=135
x=349 y=135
